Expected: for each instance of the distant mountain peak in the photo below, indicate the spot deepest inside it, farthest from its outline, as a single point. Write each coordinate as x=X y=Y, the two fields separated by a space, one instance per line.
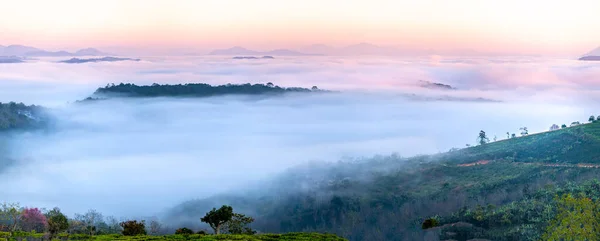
x=237 y=50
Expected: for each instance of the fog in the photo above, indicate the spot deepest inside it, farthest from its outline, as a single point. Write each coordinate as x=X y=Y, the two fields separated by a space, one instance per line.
x=128 y=157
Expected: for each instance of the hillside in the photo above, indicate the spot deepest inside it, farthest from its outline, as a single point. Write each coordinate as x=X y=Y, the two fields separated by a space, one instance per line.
x=20 y=116
x=194 y=90
x=387 y=198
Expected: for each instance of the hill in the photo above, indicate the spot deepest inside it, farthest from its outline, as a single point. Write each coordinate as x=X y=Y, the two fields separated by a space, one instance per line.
x=590 y=58
x=20 y=116
x=95 y=60
x=388 y=197
x=194 y=90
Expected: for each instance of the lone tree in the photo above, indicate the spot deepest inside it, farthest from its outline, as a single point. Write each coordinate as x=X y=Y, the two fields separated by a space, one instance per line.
x=482 y=138
x=217 y=217
x=563 y=126
x=507 y=135
x=592 y=118
x=57 y=222
x=513 y=135
x=524 y=131
x=554 y=127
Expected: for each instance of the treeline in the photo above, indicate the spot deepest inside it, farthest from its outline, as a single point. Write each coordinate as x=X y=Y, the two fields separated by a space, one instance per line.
x=18 y=115
x=196 y=90
x=35 y=223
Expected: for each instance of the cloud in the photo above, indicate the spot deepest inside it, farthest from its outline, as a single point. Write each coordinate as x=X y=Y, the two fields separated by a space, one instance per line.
x=136 y=157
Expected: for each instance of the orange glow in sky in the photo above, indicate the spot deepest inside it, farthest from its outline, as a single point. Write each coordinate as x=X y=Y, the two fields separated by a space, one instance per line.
x=531 y=26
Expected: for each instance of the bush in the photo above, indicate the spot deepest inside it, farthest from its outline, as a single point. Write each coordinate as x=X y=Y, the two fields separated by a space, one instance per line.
x=184 y=231
x=202 y=232
x=430 y=223
x=133 y=227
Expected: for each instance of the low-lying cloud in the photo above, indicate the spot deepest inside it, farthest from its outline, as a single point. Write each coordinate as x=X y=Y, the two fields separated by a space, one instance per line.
x=137 y=157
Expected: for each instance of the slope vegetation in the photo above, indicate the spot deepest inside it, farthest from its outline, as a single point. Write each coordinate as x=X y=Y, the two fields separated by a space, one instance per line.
x=388 y=197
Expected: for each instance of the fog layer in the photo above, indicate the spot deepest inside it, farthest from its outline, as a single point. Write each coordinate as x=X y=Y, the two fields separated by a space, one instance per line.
x=137 y=157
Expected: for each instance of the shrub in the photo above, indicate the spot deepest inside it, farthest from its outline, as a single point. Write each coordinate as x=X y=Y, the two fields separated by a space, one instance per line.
x=133 y=227
x=430 y=223
x=184 y=231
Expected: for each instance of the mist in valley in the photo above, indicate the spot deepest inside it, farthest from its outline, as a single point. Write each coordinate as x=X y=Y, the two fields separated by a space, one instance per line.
x=140 y=157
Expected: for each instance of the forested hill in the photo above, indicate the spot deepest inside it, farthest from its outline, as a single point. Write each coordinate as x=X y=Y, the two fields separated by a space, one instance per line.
x=196 y=90
x=20 y=116
x=501 y=190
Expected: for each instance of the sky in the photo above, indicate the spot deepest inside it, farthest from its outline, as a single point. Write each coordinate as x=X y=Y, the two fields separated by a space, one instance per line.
x=511 y=26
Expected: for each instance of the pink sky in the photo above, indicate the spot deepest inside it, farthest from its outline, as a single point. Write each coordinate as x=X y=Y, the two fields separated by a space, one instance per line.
x=533 y=26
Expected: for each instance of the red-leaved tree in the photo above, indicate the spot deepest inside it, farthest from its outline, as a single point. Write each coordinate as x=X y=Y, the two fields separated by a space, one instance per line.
x=33 y=219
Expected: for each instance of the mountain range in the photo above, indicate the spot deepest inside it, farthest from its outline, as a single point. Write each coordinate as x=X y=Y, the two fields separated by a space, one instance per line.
x=243 y=51
x=350 y=50
x=21 y=50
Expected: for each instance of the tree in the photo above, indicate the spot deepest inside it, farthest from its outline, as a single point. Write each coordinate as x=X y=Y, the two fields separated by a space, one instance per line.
x=10 y=213
x=314 y=88
x=513 y=135
x=32 y=219
x=57 y=222
x=239 y=224
x=577 y=219
x=563 y=126
x=507 y=135
x=592 y=118
x=554 y=127
x=184 y=230
x=113 y=225
x=270 y=85
x=91 y=220
x=217 y=217
x=495 y=138
x=133 y=227
x=154 y=227
x=524 y=131
x=482 y=138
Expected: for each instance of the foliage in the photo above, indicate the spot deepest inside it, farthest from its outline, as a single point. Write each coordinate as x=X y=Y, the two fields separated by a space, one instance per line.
x=577 y=219
x=195 y=90
x=482 y=138
x=32 y=219
x=19 y=116
x=217 y=217
x=184 y=230
x=133 y=227
x=239 y=225
x=200 y=237
x=57 y=222
x=9 y=215
x=430 y=223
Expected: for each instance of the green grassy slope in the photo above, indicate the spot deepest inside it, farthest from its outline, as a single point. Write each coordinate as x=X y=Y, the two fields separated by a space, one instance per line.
x=387 y=198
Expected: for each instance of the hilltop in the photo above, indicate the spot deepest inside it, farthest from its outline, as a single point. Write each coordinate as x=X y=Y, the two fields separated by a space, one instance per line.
x=388 y=197
x=194 y=90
